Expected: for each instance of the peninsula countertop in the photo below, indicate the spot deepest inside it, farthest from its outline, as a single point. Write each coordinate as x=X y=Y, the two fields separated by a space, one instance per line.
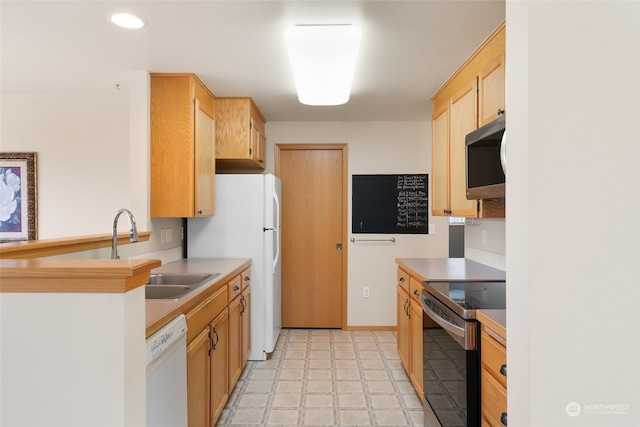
x=449 y=269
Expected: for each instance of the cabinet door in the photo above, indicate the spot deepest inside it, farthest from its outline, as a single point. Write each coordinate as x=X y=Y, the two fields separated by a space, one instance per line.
x=416 y=337
x=258 y=141
x=233 y=133
x=246 y=326
x=198 y=374
x=463 y=120
x=403 y=328
x=440 y=162
x=219 y=364
x=235 y=341
x=491 y=91
x=205 y=169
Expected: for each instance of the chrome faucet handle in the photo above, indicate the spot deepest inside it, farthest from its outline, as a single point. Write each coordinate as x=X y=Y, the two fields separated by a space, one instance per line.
x=133 y=232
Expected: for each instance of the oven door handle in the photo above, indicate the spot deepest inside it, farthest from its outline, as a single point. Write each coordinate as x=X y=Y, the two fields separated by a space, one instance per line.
x=452 y=329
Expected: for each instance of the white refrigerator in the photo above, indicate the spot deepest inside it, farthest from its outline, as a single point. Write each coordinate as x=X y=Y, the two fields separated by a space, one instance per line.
x=246 y=224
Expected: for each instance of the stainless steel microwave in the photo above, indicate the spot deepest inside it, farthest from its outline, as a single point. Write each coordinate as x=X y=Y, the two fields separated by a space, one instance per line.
x=486 y=161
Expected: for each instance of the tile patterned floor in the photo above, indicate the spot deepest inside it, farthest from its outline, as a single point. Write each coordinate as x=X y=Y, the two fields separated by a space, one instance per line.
x=321 y=377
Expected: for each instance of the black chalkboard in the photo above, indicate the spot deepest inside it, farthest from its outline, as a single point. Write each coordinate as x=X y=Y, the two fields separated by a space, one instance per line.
x=390 y=204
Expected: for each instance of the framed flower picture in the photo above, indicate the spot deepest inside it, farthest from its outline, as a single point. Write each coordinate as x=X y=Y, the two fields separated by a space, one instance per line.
x=18 y=198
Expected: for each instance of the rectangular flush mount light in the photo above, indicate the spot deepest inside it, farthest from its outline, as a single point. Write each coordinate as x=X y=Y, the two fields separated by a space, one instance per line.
x=323 y=58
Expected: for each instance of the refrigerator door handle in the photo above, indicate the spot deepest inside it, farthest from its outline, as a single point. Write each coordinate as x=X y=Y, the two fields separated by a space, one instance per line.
x=277 y=257
x=276 y=201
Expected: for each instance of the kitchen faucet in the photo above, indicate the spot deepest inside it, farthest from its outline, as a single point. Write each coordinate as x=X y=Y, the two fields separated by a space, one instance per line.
x=133 y=233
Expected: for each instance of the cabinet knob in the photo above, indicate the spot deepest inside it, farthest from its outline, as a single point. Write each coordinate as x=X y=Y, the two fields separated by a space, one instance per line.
x=500 y=111
x=503 y=418
x=401 y=279
x=236 y=288
x=416 y=292
x=503 y=370
x=247 y=278
x=200 y=212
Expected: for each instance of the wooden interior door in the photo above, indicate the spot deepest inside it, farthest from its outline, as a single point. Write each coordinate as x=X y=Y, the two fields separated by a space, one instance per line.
x=314 y=187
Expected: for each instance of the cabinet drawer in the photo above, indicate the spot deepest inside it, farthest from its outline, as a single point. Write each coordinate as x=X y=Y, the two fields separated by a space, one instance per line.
x=201 y=316
x=403 y=279
x=415 y=289
x=493 y=400
x=493 y=356
x=235 y=287
x=246 y=278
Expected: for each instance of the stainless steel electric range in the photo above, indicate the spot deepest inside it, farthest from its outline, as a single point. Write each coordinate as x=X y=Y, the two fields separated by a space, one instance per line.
x=452 y=349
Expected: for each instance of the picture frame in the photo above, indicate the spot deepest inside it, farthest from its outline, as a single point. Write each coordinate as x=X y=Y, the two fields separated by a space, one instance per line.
x=18 y=197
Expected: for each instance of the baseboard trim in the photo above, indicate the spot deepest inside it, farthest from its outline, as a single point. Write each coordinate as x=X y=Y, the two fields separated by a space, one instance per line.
x=370 y=328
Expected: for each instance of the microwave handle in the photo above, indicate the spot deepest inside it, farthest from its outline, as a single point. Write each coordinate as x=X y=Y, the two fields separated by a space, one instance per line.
x=503 y=152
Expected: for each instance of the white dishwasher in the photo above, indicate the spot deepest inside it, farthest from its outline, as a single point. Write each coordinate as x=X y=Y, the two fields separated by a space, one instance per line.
x=167 y=375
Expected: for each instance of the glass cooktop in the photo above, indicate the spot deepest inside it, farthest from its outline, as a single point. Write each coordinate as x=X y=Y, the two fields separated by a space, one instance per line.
x=466 y=297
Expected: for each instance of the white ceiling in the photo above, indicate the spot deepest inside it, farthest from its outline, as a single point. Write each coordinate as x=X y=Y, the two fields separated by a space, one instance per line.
x=409 y=48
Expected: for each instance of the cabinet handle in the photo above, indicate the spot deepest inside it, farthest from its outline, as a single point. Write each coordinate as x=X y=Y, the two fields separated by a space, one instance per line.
x=211 y=346
x=215 y=343
x=500 y=111
x=503 y=370
x=447 y=212
x=244 y=307
x=503 y=418
x=236 y=288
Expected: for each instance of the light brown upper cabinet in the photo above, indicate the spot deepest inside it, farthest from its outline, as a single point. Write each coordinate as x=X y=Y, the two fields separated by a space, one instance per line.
x=182 y=147
x=470 y=98
x=240 y=136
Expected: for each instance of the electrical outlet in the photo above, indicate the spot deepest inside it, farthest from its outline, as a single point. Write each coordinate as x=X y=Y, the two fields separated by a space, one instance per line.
x=432 y=229
x=169 y=235
x=163 y=236
x=365 y=292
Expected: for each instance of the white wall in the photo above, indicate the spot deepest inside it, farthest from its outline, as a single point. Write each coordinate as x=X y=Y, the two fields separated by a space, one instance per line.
x=374 y=148
x=484 y=242
x=573 y=257
x=92 y=159
x=81 y=364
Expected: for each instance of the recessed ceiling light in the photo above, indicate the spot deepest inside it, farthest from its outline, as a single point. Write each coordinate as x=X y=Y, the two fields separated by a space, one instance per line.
x=127 y=20
x=323 y=58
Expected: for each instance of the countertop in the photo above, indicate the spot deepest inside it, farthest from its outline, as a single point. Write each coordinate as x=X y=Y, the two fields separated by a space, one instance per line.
x=448 y=269
x=74 y=276
x=159 y=312
x=495 y=320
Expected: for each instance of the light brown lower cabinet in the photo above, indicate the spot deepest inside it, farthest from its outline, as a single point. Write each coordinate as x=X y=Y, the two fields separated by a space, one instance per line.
x=239 y=339
x=219 y=364
x=493 y=379
x=198 y=378
x=215 y=355
x=409 y=329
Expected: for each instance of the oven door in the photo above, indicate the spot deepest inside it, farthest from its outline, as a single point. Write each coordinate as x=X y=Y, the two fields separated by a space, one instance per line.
x=451 y=367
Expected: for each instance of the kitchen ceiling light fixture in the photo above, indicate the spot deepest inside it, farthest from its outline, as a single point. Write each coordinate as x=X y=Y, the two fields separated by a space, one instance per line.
x=127 y=20
x=323 y=58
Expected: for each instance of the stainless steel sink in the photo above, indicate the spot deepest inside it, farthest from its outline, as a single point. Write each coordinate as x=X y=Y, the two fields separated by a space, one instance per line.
x=165 y=291
x=173 y=286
